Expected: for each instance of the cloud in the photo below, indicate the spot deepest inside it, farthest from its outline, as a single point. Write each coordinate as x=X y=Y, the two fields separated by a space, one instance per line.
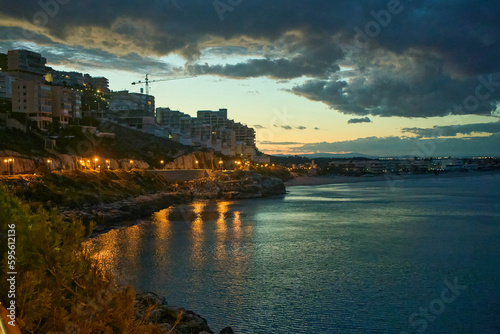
x=316 y=128
x=426 y=62
x=454 y=130
x=300 y=127
x=397 y=146
x=258 y=126
x=359 y=120
x=405 y=85
x=286 y=127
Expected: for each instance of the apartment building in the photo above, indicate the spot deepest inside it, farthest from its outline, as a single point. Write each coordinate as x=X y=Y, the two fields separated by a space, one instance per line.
x=26 y=65
x=66 y=105
x=67 y=79
x=34 y=99
x=210 y=129
x=98 y=83
x=5 y=86
x=124 y=101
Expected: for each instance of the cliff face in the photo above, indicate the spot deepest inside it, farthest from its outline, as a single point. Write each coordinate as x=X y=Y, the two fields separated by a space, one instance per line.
x=206 y=160
x=22 y=164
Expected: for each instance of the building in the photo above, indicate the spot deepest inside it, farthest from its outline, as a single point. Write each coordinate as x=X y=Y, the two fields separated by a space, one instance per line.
x=35 y=100
x=101 y=84
x=5 y=86
x=124 y=101
x=211 y=129
x=26 y=65
x=3 y=62
x=67 y=79
x=215 y=118
x=66 y=105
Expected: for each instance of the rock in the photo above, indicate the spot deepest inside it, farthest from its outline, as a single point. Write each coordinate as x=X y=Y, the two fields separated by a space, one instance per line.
x=227 y=330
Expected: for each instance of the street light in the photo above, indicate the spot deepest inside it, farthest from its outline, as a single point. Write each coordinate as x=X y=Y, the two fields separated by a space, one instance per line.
x=220 y=164
x=108 y=164
x=196 y=166
x=10 y=165
x=49 y=162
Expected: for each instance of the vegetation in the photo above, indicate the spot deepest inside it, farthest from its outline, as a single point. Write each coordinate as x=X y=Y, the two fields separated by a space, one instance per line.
x=59 y=287
x=24 y=143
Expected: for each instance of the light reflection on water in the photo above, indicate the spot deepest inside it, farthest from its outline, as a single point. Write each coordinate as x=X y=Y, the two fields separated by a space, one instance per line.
x=330 y=259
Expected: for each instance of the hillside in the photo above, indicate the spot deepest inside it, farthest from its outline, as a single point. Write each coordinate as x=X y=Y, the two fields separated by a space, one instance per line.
x=128 y=144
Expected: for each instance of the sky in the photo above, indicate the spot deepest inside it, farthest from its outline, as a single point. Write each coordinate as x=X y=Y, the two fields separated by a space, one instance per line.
x=384 y=78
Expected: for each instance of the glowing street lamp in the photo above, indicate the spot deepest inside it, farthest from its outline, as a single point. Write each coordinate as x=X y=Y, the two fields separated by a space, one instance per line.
x=220 y=164
x=10 y=165
x=49 y=165
x=196 y=162
x=108 y=164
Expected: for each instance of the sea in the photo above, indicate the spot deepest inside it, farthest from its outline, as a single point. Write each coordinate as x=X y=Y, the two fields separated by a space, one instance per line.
x=402 y=255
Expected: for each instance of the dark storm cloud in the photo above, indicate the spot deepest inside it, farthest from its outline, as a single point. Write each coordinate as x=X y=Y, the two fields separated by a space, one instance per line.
x=453 y=130
x=423 y=58
x=396 y=146
x=274 y=68
x=359 y=120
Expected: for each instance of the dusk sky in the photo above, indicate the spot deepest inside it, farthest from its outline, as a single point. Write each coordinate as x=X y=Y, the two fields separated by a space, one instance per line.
x=388 y=78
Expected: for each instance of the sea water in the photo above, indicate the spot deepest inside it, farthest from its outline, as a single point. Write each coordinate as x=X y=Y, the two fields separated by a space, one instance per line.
x=402 y=256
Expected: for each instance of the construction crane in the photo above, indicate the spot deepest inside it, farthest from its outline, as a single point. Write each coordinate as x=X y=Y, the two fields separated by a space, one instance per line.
x=147 y=81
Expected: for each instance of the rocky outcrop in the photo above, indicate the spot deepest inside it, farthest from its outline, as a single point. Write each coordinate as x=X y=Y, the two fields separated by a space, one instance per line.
x=150 y=307
x=251 y=184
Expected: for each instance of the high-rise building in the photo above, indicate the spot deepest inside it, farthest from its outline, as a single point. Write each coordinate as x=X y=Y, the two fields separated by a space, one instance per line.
x=5 y=86
x=124 y=101
x=66 y=104
x=34 y=99
x=100 y=84
x=215 y=118
x=26 y=65
x=68 y=79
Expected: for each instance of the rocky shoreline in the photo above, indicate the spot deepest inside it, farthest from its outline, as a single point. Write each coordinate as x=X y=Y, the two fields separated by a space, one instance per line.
x=172 y=320
x=120 y=213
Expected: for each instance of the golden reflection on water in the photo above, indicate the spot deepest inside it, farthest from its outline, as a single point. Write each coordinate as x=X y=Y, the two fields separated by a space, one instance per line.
x=221 y=231
x=197 y=234
x=163 y=234
x=132 y=235
x=106 y=254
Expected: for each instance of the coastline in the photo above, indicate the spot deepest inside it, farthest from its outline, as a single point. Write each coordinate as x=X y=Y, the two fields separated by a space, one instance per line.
x=339 y=179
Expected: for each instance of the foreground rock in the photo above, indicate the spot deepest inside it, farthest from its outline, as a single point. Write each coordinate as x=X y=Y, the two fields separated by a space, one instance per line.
x=172 y=320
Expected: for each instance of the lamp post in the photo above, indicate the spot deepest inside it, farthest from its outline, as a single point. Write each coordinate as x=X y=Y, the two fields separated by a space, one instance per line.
x=108 y=165
x=196 y=164
x=49 y=165
x=95 y=162
x=220 y=164
x=10 y=165
x=162 y=164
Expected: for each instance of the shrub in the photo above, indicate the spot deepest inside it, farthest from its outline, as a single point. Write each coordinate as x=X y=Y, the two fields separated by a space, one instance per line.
x=59 y=287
